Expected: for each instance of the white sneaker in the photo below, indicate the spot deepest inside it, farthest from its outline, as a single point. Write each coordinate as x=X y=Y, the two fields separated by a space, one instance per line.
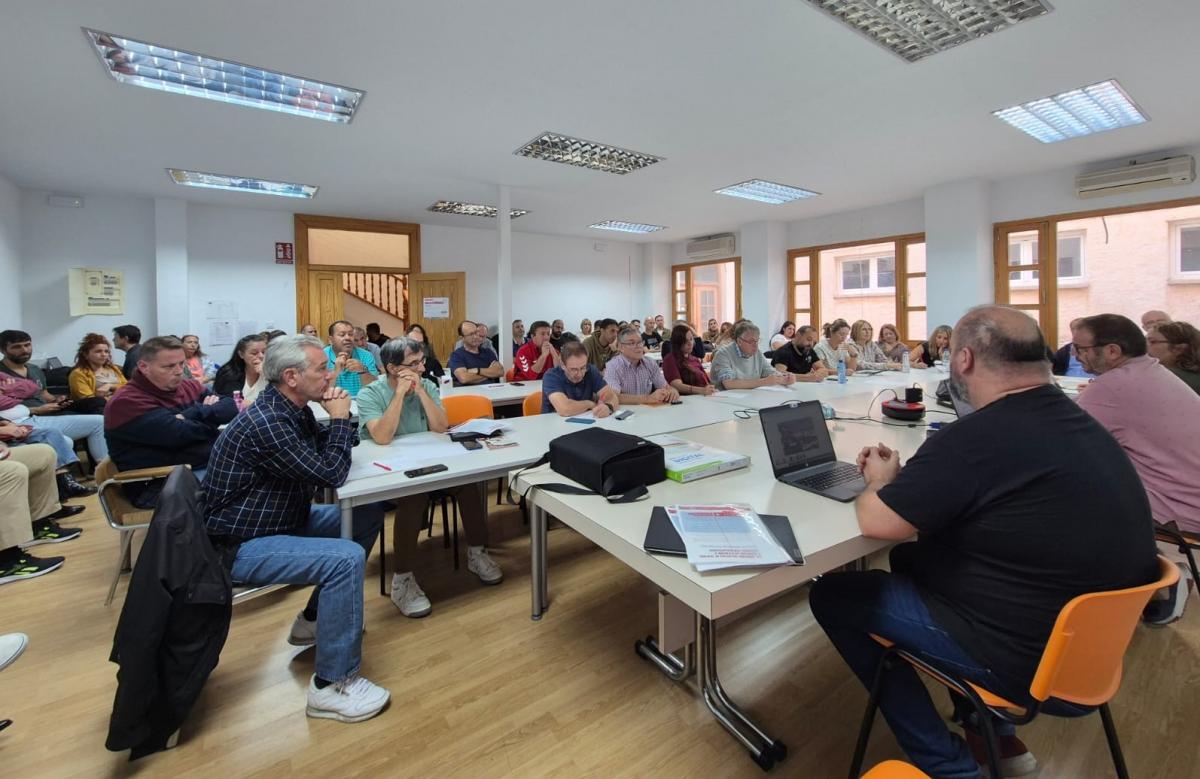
x=351 y=700
x=11 y=647
x=483 y=566
x=409 y=597
x=304 y=632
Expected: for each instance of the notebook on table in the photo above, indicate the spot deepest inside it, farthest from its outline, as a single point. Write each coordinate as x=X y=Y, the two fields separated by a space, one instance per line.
x=662 y=538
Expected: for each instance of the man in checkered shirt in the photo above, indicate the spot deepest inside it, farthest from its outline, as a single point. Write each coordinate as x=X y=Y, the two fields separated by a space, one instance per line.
x=262 y=475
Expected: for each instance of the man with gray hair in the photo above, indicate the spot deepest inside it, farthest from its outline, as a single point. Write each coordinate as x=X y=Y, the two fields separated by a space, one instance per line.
x=742 y=365
x=262 y=476
x=1036 y=504
x=635 y=377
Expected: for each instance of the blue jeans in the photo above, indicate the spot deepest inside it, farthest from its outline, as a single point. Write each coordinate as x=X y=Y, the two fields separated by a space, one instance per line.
x=850 y=606
x=64 y=447
x=316 y=555
x=76 y=426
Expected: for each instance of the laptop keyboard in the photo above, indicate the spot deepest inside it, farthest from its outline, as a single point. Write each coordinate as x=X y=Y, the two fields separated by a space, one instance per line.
x=839 y=474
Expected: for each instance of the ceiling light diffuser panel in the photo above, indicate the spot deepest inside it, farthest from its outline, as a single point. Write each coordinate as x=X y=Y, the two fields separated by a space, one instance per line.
x=192 y=178
x=1083 y=111
x=766 y=192
x=915 y=29
x=153 y=66
x=555 y=147
x=627 y=227
x=472 y=209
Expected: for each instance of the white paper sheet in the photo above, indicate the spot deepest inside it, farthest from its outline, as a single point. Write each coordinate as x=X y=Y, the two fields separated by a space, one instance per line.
x=725 y=536
x=481 y=426
x=774 y=388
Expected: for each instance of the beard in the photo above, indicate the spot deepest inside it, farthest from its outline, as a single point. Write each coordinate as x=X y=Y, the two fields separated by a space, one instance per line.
x=958 y=387
x=19 y=359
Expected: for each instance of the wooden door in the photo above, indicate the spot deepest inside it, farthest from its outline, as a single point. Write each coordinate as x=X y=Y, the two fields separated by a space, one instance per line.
x=426 y=292
x=805 y=303
x=910 y=290
x=324 y=300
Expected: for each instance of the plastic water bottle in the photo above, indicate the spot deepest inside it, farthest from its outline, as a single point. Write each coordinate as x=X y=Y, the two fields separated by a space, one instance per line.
x=905 y=365
x=444 y=383
x=841 y=368
x=237 y=401
x=946 y=360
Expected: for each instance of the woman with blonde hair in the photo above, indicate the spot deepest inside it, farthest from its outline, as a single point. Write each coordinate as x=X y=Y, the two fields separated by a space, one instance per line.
x=870 y=356
x=928 y=351
x=94 y=376
x=196 y=364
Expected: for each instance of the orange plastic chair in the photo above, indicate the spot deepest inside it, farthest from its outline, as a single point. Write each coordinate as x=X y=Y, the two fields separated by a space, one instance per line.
x=532 y=404
x=895 y=769
x=1081 y=664
x=461 y=408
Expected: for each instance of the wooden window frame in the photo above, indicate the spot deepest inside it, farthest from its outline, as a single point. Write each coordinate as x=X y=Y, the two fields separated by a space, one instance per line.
x=813 y=255
x=687 y=299
x=1047 y=305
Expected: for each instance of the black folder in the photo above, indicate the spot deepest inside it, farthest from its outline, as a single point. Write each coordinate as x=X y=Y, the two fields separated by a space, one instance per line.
x=661 y=537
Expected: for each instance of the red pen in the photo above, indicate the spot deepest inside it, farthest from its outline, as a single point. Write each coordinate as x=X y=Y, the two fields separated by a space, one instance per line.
x=381 y=465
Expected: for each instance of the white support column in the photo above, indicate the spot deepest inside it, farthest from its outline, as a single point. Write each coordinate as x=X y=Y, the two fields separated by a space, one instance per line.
x=504 y=311
x=958 y=250
x=763 y=248
x=171 y=267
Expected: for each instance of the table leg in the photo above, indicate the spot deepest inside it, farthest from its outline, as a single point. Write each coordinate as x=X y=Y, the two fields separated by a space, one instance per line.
x=347 y=520
x=537 y=559
x=762 y=748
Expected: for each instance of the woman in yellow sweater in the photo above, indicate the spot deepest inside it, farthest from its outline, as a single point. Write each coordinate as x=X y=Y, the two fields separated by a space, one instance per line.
x=94 y=375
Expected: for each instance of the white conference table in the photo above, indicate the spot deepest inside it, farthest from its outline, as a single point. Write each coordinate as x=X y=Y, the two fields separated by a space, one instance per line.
x=827 y=532
x=828 y=391
x=533 y=435
x=505 y=394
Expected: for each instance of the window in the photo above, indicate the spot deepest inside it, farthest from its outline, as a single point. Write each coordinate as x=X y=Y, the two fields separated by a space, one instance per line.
x=867 y=275
x=707 y=290
x=1023 y=250
x=708 y=305
x=1185 y=251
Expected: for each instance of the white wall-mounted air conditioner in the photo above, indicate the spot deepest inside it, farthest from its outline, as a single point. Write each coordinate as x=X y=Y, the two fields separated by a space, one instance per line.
x=1139 y=175
x=711 y=247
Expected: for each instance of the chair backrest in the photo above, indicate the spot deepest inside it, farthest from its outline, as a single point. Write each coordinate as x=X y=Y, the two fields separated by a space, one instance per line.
x=116 y=506
x=1083 y=658
x=510 y=375
x=895 y=769
x=461 y=408
x=532 y=404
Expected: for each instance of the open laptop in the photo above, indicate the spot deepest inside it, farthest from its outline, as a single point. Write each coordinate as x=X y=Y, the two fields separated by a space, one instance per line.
x=946 y=396
x=802 y=451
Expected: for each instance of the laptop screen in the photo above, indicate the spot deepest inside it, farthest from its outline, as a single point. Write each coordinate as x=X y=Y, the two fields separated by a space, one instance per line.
x=796 y=436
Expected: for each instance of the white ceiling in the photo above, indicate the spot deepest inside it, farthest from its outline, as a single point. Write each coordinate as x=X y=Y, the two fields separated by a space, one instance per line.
x=725 y=91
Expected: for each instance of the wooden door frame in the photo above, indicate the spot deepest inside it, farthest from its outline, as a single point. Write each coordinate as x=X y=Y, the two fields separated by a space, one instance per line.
x=687 y=266
x=900 y=242
x=301 y=225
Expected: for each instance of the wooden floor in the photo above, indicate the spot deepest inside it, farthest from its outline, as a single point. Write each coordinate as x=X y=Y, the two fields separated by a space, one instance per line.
x=479 y=690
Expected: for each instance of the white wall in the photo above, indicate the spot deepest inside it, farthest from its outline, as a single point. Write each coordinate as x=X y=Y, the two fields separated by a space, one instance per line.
x=554 y=277
x=10 y=253
x=958 y=250
x=231 y=257
x=900 y=218
x=114 y=232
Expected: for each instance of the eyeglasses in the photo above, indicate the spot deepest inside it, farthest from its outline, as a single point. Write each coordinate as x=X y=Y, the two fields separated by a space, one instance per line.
x=1157 y=341
x=749 y=341
x=1077 y=348
x=633 y=344
x=419 y=361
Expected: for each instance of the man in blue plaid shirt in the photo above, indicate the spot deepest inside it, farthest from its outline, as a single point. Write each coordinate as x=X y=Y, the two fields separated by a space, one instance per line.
x=262 y=475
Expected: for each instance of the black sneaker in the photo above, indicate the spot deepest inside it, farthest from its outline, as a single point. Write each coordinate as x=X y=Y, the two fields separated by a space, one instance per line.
x=69 y=488
x=28 y=567
x=47 y=531
x=66 y=511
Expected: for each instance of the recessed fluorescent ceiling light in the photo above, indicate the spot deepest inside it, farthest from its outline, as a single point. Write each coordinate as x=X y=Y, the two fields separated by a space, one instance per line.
x=585 y=154
x=766 y=192
x=914 y=29
x=191 y=178
x=186 y=73
x=627 y=227
x=1083 y=111
x=472 y=209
